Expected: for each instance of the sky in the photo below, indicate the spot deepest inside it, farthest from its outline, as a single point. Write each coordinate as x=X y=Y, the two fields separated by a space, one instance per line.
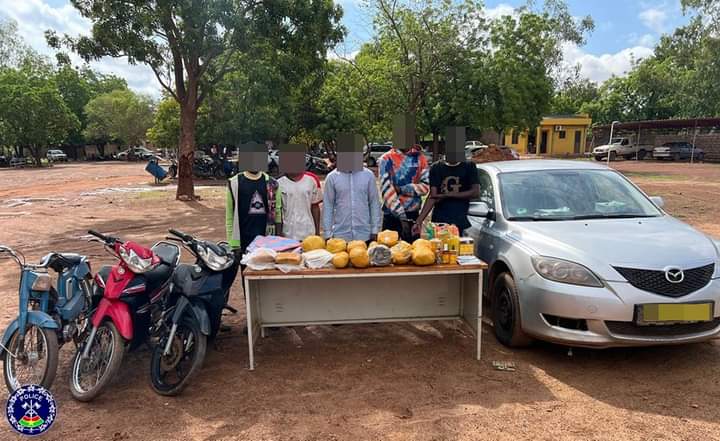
x=624 y=30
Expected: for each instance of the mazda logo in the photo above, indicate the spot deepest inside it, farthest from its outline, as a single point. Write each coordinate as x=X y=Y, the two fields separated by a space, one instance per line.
x=674 y=275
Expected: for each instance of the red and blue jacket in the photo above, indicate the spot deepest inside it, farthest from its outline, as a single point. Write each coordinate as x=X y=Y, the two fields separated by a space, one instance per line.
x=404 y=180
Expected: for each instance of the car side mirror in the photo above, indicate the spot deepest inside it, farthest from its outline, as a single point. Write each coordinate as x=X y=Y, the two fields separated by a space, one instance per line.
x=658 y=201
x=479 y=209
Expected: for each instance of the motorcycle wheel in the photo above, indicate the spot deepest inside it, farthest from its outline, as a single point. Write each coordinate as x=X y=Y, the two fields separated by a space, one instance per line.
x=90 y=376
x=39 y=364
x=169 y=374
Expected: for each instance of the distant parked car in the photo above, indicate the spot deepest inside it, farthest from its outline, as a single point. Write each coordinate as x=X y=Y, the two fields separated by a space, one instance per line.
x=4 y=162
x=20 y=162
x=579 y=255
x=374 y=153
x=625 y=147
x=469 y=144
x=677 y=151
x=135 y=154
x=56 y=156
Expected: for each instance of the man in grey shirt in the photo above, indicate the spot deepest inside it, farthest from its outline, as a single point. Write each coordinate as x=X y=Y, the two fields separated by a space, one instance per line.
x=351 y=202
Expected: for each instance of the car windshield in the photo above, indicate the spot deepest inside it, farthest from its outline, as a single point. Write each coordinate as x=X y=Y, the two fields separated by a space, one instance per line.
x=547 y=195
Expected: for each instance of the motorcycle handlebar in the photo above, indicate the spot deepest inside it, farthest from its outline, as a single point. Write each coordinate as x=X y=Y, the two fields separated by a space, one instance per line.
x=102 y=237
x=181 y=235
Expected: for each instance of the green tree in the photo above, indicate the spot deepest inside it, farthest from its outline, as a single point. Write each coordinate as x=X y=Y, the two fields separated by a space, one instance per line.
x=165 y=132
x=33 y=114
x=573 y=94
x=13 y=49
x=120 y=115
x=526 y=52
x=190 y=44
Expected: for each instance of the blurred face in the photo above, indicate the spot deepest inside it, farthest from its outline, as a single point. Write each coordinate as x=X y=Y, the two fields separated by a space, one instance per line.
x=404 y=131
x=292 y=159
x=252 y=157
x=349 y=152
x=455 y=144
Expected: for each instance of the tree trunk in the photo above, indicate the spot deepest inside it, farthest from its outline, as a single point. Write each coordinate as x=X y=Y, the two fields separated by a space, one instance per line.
x=186 y=151
x=436 y=146
x=35 y=151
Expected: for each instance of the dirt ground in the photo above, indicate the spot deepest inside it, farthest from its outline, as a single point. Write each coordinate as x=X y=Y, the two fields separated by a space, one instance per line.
x=365 y=382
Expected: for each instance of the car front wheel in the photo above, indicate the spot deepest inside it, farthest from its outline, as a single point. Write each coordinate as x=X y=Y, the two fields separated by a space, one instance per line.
x=506 y=313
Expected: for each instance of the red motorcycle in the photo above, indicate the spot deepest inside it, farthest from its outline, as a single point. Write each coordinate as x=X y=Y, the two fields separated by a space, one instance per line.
x=130 y=300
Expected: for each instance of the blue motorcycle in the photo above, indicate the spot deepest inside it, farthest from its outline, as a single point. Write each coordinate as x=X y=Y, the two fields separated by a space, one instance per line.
x=47 y=317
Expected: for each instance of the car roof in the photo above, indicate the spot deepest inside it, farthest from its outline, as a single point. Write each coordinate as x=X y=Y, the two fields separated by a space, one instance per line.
x=538 y=164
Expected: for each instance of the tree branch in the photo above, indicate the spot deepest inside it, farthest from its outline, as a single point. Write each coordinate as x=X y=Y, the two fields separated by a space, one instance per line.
x=165 y=86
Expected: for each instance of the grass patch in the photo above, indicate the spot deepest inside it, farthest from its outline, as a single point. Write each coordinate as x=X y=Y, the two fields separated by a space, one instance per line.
x=211 y=193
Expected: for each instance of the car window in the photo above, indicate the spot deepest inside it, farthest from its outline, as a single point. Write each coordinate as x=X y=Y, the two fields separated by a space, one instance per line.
x=571 y=194
x=486 y=189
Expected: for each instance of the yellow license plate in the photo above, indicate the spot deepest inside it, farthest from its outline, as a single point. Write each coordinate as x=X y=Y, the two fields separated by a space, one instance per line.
x=676 y=312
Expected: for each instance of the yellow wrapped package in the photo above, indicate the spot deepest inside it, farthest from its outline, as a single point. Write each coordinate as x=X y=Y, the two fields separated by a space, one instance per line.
x=313 y=243
x=423 y=256
x=356 y=243
x=335 y=245
x=401 y=253
x=359 y=257
x=422 y=243
x=341 y=259
x=388 y=238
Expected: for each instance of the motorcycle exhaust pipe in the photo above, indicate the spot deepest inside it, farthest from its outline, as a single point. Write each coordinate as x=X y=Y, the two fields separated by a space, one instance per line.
x=173 y=330
x=86 y=349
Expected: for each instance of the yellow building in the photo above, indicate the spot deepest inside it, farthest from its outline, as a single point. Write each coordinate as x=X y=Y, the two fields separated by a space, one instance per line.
x=557 y=135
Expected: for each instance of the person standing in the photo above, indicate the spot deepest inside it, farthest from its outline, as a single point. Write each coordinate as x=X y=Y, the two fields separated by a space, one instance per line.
x=351 y=203
x=301 y=198
x=403 y=182
x=253 y=208
x=452 y=186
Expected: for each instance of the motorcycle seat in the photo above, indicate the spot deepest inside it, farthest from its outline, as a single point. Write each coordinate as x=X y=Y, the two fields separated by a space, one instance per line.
x=157 y=276
x=61 y=261
x=71 y=259
x=167 y=253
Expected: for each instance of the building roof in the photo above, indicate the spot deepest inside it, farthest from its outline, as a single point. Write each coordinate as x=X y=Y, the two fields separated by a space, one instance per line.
x=664 y=124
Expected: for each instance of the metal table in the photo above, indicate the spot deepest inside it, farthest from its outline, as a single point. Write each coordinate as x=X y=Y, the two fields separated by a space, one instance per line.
x=370 y=295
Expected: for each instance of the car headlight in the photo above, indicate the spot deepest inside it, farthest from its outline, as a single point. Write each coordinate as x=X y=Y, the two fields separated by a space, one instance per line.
x=717 y=258
x=137 y=264
x=563 y=271
x=213 y=260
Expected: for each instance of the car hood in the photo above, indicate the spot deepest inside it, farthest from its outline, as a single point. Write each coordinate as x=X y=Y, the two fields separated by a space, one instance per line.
x=646 y=243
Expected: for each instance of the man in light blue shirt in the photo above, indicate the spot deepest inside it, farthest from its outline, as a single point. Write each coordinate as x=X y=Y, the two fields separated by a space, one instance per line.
x=351 y=202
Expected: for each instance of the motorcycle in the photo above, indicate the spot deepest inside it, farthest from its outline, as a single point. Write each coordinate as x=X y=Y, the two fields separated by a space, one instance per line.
x=47 y=317
x=208 y=168
x=202 y=291
x=172 y=169
x=132 y=300
x=316 y=164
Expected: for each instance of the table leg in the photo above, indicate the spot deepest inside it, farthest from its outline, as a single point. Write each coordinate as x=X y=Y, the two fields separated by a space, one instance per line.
x=479 y=314
x=250 y=323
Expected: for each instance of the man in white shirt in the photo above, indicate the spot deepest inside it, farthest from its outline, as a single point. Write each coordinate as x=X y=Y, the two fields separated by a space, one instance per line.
x=301 y=194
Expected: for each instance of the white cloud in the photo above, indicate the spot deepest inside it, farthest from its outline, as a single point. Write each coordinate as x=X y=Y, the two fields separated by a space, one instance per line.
x=499 y=11
x=34 y=17
x=654 y=18
x=647 y=40
x=601 y=67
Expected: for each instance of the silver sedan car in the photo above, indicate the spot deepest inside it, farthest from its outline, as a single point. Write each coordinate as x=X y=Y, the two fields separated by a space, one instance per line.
x=579 y=255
